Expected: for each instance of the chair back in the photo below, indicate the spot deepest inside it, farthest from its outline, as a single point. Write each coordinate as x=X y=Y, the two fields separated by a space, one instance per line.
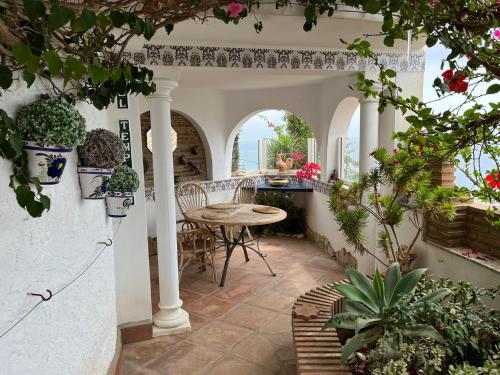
x=245 y=192
x=190 y=196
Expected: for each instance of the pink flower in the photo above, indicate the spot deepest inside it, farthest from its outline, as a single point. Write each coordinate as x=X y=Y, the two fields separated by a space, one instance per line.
x=496 y=33
x=298 y=156
x=235 y=9
x=270 y=125
x=394 y=150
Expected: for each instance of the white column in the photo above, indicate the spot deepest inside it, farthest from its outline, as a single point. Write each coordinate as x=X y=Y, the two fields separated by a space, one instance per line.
x=387 y=127
x=368 y=133
x=171 y=318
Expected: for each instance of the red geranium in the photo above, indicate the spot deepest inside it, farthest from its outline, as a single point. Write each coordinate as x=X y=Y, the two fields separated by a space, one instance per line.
x=309 y=170
x=493 y=179
x=297 y=156
x=456 y=81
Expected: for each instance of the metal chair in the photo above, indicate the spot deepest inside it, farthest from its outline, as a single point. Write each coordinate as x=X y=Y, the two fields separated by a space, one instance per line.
x=195 y=244
x=190 y=196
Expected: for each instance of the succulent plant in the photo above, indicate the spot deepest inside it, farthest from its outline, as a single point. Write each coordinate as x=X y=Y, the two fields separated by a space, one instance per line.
x=123 y=180
x=51 y=121
x=102 y=149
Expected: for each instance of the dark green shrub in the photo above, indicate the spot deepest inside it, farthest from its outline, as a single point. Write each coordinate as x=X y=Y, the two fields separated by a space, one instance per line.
x=295 y=221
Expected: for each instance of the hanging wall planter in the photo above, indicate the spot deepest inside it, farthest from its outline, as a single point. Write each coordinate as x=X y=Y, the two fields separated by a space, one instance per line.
x=50 y=127
x=99 y=155
x=46 y=163
x=122 y=185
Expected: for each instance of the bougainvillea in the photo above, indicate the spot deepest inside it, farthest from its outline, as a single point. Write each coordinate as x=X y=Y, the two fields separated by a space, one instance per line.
x=308 y=171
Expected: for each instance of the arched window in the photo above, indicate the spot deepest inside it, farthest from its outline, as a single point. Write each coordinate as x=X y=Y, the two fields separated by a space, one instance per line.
x=268 y=134
x=351 y=149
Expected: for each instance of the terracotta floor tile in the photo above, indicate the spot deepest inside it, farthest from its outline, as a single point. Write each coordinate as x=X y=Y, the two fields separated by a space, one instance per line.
x=271 y=300
x=280 y=323
x=211 y=306
x=188 y=296
x=293 y=287
x=219 y=335
x=204 y=287
x=323 y=263
x=259 y=350
x=198 y=321
x=185 y=359
x=251 y=317
x=235 y=366
x=237 y=291
x=257 y=279
x=139 y=354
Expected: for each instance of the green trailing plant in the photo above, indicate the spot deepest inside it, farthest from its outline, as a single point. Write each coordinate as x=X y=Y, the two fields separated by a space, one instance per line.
x=373 y=309
x=51 y=121
x=101 y=149
x=405 y=176
x=27 y=189
x=490 y=367
x=123 y=180
x=470 y=328
x=423 y=357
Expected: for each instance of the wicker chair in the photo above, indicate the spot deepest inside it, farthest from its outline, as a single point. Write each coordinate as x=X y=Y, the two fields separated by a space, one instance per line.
x=245 y=192
x=190 y=196
x=195 y=244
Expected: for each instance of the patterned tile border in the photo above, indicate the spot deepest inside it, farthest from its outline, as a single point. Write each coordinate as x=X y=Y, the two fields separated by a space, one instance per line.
x=231 y=183
x=264 y=58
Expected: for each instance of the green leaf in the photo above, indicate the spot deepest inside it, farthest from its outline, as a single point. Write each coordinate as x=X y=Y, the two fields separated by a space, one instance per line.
x=361 y=282
x=5 y=77
x=169 y=27
x=431 y=40
x=97 y=74
x=149 y=29
x=28 y=77
x=117 y=18
x=24 y=195
x=59 y=16
x=493 y=89
x=344 y=320
x=389 y=41
x=407 y=285
x=45 y=201
x=84 y=22
x=34 y=9
x=424 y=330
x=433 y=297
x=35 y=209
x=73 y=69
x=353 y=293
x=390 y=73
x=21 y=53
x=360 y=340
x=356 y=307
x=362 y=323
x=378 y=288
x=54 y=62
x=392 y=277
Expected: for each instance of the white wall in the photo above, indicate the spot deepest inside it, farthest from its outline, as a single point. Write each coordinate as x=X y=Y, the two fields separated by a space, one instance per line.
x=75 y=332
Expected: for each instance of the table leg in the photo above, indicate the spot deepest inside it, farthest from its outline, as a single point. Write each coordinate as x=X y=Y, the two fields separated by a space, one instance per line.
x=229 y=251
x=244 y=229
x=262 y=256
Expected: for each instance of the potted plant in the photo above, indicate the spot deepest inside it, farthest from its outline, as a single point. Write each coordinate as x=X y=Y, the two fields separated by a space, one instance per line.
x=122 y=185
x=99 y=155
x=50 y=128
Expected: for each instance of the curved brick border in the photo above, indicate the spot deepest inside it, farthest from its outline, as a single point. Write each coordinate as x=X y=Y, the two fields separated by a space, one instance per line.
x=318 y=351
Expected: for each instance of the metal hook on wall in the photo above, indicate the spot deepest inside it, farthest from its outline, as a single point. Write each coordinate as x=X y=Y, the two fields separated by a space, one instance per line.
x=107 y=243
x=41 y=295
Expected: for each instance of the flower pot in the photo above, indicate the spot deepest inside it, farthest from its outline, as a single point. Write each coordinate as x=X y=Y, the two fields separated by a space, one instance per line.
x=118 y=203
x=94 y=182
x=46 y=162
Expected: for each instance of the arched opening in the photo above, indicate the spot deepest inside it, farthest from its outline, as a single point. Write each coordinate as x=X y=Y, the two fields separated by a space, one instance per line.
x=191 y=156
x=264 y=135
x=343 y=140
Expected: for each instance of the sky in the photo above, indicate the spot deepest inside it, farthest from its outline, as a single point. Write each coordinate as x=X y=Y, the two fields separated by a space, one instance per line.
x=256 y=128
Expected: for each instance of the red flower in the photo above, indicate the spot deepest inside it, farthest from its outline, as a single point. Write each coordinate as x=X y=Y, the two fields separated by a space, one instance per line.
x=462 y=86
x=297 y=156
x=493 y=179
x=235 y=9
x=395 y=162
x=447 y=74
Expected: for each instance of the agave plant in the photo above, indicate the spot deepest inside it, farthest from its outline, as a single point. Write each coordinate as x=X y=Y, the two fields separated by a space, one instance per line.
x=371 y=308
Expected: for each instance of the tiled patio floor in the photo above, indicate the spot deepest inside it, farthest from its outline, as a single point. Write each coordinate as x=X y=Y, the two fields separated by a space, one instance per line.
x=243 y=328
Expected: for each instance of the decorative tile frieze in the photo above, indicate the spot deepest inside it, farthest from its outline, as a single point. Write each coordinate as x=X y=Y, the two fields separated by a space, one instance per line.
x=267 y=58
x=231 y=183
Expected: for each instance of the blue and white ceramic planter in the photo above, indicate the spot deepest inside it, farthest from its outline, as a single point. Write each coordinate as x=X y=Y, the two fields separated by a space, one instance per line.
x=94 y=182
x=118 y=203
x=46 y=162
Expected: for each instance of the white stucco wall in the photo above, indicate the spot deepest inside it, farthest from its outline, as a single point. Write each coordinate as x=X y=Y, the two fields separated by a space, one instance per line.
x=75 y=332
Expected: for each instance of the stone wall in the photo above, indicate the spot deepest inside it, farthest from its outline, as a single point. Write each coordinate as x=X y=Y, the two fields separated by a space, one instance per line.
x=189 y=150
